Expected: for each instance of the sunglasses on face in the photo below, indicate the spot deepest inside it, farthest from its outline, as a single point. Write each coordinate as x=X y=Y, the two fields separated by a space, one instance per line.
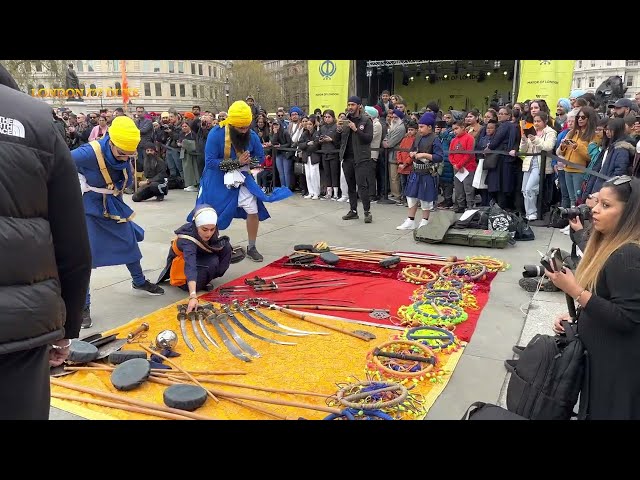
x=583 y=117
x=280 y=115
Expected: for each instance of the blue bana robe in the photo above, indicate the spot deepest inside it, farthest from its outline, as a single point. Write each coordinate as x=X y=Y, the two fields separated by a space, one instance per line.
x=113 y=242
x=225 y=200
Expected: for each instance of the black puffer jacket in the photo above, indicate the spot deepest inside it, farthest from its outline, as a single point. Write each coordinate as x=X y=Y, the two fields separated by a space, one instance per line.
x=44 y=248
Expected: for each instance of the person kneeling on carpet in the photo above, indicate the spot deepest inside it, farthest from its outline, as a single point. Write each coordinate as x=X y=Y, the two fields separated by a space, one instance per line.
x=197 y=255
x=155 y=172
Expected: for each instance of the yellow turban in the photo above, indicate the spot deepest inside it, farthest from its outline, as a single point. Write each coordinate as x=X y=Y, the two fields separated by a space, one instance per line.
x=239 y=115
x=124 y=134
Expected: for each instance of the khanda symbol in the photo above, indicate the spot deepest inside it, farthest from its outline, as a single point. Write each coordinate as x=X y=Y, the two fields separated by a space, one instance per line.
x=327 y=69
x=545 y=62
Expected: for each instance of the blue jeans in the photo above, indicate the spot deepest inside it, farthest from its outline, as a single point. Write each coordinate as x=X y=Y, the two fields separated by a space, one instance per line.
x=573 y=181
x=564 y=192
x=135 y=269
x=285 y=170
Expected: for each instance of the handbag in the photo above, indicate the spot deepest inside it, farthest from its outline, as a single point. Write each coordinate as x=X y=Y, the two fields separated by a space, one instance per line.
x=490 y=161
x=480 y=176
x=489 y=411
x=298 y=168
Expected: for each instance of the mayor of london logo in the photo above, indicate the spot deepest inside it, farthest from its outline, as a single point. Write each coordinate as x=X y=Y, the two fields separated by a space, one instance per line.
x=327 y=69
x=545 y=62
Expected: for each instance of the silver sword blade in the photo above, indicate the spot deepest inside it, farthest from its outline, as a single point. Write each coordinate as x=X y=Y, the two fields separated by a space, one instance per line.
x=235 y=320
x=196 y=332
x=183 y=329
x=284 y=327
x=238 y=339
x=269 y=329
x=206 y=332
x=235 y=351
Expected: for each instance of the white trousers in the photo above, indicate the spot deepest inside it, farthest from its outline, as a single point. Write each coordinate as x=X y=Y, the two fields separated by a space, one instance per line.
x=247 y=200
x=343 y=183
x=312 y=174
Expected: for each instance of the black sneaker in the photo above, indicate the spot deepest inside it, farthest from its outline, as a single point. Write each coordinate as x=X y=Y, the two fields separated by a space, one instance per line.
x=149 y=288
x=368 y=218
x=460 y=210
x=385 y=201
x=129 y=191
x=86 y=318
x=254 y=255
x=159 y=198
x=445 y=204
x=351 y=215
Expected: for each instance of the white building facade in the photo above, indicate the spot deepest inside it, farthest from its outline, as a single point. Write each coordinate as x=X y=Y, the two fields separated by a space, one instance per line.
x=589 y=74
x=155 y=84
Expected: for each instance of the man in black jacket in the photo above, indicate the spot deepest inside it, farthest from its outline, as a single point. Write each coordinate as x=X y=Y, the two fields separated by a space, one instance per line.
x=356 y=133
x=44 y=252
x=156 y=178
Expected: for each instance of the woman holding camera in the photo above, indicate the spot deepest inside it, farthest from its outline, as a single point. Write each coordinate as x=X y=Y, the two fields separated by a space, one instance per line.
x=605 y=288
x=574 y=148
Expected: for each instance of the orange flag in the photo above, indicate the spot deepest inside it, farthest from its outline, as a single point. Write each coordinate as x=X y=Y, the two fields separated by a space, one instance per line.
x=125 y=85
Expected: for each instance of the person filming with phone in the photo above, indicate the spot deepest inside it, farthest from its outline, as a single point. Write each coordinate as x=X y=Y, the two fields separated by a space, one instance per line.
x=605 y=290
x=574 y=148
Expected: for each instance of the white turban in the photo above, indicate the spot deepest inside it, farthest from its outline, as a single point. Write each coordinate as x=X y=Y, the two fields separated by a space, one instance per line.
x=205 y=216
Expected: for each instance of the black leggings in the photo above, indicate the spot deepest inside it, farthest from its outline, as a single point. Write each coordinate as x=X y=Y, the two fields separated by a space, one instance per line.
x=331 y=170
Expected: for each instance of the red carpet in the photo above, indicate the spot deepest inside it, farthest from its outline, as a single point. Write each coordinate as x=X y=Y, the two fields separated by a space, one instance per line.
x=365 y=290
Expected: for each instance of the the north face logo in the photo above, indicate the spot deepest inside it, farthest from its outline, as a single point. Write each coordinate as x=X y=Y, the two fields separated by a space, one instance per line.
x=11 y=126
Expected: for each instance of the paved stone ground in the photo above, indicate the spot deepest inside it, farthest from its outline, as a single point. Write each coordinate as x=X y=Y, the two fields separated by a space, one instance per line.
x=512 y=316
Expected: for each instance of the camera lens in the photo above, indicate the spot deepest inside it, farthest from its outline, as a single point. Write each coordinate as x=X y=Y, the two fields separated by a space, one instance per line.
x=532 y=271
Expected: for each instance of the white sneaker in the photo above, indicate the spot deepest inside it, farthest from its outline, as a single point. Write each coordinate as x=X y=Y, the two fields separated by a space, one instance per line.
x=307 y=196
x=191 y=188
x=315 y=197
x=423 y=222
x=335 y=199
x=343 y=199
x=408 y=224
x=532 y=217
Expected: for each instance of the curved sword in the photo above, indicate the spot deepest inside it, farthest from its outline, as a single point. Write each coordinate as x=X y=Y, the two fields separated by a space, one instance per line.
x=241 y=343
x=214 y=320
x=183 y=328
x=201 y=315
x=235 y=320
x=284 y=327
x=196 y=332
x=269 y=329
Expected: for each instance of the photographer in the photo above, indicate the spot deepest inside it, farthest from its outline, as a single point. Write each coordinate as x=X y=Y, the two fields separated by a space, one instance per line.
x=579 y=219
x=605 y=288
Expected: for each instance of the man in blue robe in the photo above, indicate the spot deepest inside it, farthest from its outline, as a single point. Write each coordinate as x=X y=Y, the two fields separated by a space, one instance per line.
x=104 y=172
x=227 y=184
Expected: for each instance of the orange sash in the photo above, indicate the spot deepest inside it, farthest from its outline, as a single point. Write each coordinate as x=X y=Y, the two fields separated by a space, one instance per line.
x=176 y=274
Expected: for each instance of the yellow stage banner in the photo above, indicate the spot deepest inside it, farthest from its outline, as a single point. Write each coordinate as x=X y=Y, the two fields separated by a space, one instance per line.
x=549 y=80
x=328 y=84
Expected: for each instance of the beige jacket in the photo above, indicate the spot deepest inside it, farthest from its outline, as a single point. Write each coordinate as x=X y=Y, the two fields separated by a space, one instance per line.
x=546 y=142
